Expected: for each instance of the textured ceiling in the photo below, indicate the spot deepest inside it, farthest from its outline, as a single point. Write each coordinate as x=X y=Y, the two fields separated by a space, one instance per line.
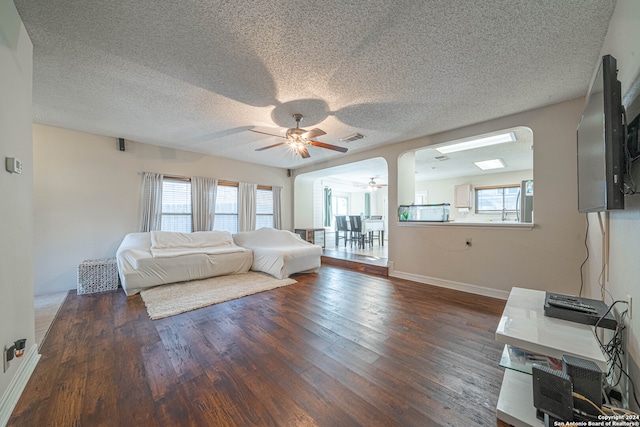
x=197 y=75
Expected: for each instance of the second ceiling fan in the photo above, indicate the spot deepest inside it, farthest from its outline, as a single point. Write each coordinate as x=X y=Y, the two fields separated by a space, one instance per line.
x=297 y=139
x=374 y=186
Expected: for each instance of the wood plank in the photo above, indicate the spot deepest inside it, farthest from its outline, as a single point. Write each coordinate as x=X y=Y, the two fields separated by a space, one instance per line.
x=355 y=266
x=338 y=348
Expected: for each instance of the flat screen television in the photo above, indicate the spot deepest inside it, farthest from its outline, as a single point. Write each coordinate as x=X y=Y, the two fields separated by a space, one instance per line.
x=601 y=144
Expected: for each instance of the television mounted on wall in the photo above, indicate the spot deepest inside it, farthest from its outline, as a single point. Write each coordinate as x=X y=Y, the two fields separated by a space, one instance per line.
x=601 y=165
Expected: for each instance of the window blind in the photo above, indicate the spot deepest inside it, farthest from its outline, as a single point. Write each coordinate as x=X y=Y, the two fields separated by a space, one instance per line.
x=226 y=217
x=264 y=208
x=176 y=205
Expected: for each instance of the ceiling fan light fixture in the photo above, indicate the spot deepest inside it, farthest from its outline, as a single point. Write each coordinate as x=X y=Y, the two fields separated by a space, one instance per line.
x=297 y=139
x=296 y=144
x=477 y=143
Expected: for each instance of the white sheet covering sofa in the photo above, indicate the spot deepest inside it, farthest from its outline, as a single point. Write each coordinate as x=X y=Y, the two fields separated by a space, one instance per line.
x=146 y=260
x=279 y=253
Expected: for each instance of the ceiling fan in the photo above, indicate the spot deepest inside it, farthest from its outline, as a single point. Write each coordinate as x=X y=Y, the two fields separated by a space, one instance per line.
x=297 y=139
x=373 y=186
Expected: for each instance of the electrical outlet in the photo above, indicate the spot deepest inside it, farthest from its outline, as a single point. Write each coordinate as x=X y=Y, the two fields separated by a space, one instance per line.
x=468 y=242
x=629 y=305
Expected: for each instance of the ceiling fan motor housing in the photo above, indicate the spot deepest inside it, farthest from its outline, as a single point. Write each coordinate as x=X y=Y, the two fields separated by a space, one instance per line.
x=295 y=133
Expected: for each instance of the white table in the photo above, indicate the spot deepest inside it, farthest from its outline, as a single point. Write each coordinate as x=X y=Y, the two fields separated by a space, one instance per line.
x=371 y=225
x=524 y=325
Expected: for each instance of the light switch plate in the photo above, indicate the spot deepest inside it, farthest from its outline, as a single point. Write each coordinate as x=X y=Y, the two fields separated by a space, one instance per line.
x=13 y=165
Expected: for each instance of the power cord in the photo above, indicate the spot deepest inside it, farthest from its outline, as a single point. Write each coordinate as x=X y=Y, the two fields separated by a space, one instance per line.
x=614 y=349
x=606 y=410
x=586 y=245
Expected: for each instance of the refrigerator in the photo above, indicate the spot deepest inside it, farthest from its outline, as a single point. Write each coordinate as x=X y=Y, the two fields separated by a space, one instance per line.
x=526 y=201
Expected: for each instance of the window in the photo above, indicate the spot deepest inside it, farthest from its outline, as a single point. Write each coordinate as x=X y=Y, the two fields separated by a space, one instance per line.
x=177 y=213
x=264 y=208
x=421 y=197
x=226 y=213
x=340 y=205
x=498 y=199
x=176 y=205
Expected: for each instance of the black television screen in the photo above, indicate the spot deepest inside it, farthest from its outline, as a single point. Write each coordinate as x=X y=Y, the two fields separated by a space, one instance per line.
x=600 y=144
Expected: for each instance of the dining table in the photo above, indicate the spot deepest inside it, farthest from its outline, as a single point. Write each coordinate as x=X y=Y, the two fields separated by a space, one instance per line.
x=371 y=225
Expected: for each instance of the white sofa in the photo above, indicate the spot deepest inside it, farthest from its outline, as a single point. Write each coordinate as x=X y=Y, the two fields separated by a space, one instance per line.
x=146 y=260
x=279 y=253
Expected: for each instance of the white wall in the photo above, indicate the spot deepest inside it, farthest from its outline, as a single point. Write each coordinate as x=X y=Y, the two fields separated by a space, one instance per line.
x=548 y=257
x=16 y=214
x=86 y=195
x=305 y=195
x=624 y=237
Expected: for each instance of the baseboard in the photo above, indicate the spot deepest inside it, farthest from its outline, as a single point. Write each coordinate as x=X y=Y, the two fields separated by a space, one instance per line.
x=18 y=383
x=463 y=287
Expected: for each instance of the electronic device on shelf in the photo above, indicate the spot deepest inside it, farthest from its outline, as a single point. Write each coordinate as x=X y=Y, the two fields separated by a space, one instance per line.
x=587 y=380
x=570 y=303
x=580 y=310
x=572 y=394
x=552 y=395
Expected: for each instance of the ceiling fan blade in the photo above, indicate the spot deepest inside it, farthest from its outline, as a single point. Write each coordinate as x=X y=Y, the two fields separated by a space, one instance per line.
x=304 y=152
x=313 y=133
x=266 y=133
x=271 y=146
x=329 y=146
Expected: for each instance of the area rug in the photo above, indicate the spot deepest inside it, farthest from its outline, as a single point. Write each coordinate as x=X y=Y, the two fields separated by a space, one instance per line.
x=169 y=300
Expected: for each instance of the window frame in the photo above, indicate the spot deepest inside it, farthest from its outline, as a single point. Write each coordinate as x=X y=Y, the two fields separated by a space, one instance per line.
x=227 y=214
x=502 y=187
x=334 y=208
x=163 y=214
x=221 y=184
x=271 y=214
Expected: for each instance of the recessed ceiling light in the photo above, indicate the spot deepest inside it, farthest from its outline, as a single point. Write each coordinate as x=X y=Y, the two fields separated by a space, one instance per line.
x=477 y=143
x=490 y=164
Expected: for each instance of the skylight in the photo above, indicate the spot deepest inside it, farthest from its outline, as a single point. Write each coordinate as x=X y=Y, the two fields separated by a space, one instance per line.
x=477 y=143
x=490 y=164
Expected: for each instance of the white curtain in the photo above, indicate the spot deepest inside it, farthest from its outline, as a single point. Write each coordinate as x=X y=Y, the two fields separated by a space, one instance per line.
x=203 y=202
x=277 y=207
x=150 y=202
x=247 y=195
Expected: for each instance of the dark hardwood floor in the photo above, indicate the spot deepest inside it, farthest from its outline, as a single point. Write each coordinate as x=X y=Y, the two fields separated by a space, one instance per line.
x=339 y=348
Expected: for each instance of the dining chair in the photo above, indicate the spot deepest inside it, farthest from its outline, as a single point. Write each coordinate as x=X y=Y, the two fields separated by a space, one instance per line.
x=342 y=229
x=356 y=231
